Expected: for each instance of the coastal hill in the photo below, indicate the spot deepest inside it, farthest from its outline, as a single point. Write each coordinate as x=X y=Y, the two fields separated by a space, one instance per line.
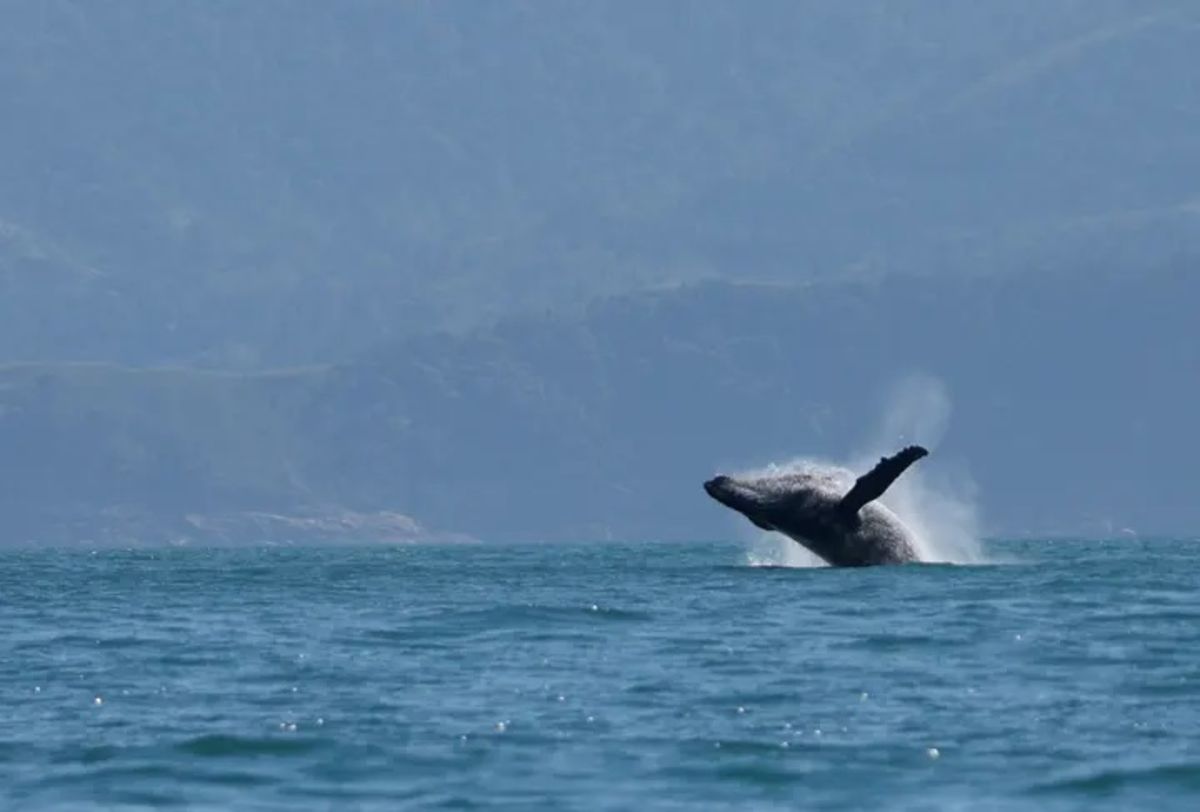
x=256 y=185
x=1071 y=412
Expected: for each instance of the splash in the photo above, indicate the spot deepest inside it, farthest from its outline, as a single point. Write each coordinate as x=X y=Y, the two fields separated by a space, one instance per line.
x=939 y=510
x=775 y=550
x=917 y=411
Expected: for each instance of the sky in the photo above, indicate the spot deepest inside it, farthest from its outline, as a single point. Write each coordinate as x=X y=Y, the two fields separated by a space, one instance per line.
x=397 y=204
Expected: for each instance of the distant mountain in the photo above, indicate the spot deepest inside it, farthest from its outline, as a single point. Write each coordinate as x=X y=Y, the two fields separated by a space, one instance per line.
x=248 y=185
x=1073 y=412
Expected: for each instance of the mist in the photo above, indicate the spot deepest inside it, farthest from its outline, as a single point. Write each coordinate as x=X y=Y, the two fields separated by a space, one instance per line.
x=533 y=271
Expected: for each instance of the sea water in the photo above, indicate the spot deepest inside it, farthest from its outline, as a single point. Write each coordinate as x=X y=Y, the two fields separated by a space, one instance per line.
x=1064 y=675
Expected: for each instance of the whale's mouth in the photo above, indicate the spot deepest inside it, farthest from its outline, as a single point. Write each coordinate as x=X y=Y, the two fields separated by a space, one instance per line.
x=735 y=496
x=731 y=493
x=721 y=488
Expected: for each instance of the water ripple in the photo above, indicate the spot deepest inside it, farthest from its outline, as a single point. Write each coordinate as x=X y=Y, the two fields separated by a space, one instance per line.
x=609 y=676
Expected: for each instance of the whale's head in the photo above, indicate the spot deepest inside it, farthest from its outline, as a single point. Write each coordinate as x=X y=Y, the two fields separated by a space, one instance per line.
x=744 y=497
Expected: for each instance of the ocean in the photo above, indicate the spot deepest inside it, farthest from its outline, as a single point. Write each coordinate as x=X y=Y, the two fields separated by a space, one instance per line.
x=1063 y=675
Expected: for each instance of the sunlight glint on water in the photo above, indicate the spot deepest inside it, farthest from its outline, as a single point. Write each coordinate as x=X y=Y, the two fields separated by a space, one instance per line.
x=605 y=676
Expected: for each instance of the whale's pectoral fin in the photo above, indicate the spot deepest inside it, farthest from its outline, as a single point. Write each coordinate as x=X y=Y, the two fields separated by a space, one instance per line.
x=871 y=485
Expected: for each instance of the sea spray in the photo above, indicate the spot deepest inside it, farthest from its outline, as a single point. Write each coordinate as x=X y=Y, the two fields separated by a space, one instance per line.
x=939 y=510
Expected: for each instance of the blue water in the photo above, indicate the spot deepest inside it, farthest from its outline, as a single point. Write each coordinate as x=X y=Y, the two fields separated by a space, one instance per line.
x=599 y=677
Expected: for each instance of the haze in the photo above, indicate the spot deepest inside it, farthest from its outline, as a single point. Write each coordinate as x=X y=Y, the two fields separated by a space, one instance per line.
x=374 y=270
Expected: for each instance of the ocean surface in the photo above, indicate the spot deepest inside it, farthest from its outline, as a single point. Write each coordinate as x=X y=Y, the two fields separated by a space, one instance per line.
x=1064 y=676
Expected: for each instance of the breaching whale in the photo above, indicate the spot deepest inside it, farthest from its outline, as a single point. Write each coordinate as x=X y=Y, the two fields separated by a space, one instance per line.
x=845 y=528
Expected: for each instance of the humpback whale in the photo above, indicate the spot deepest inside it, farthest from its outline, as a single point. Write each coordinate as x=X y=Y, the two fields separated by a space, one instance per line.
x=813 y=508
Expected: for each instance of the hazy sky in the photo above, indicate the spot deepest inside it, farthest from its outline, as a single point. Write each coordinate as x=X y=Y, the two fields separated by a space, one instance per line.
x=1003 y=197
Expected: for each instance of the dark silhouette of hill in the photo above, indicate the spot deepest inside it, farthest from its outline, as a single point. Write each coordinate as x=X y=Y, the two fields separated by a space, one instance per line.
x=249 y=185
x=1074 y=408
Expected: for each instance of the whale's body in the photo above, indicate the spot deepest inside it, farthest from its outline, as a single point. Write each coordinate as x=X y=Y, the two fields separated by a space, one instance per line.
x=845 y=527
